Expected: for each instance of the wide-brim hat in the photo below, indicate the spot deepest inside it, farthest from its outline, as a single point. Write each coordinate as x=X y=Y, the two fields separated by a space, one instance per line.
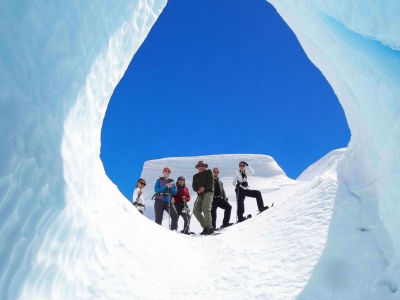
x=201 y=163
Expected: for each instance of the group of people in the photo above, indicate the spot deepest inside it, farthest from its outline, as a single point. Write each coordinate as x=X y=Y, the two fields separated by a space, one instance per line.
x=172 y=198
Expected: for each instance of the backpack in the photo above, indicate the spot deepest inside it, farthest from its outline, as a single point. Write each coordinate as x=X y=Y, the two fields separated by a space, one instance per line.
x=160 y=195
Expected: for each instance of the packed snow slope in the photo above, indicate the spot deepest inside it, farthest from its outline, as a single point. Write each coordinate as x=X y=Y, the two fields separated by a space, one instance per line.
x=67 y=233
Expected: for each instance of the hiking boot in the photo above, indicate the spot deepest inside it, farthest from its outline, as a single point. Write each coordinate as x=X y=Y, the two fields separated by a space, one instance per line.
x=241 y=219
x=204 y=232
x=263 y=209
x=226 y=225
x=210 y=231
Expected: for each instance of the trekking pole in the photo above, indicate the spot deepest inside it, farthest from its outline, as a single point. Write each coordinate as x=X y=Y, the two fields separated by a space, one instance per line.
x=237 y=204
x=169 y=209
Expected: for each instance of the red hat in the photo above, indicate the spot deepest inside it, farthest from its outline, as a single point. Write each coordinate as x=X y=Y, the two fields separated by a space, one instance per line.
x=166 y=169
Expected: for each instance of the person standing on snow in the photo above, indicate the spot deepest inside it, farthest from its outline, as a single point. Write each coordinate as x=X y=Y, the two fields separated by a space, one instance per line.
x=164 y=188
x=203 y=185
x=220 y=201
x=242 y=190
x=137 y=198
x=181 y=198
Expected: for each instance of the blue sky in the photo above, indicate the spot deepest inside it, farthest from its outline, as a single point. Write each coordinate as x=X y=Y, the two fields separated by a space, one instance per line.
x=220 y=77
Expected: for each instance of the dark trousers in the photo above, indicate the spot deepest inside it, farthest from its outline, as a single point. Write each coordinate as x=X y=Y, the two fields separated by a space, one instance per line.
x=221 y=203
x=159 y=208
x=248 y=193
x=185 y=216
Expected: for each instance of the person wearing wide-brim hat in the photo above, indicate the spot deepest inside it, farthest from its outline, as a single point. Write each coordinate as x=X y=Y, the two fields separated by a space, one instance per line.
x=203 y=185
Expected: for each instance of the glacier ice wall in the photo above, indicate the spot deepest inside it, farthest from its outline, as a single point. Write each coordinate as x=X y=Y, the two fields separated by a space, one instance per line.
x=356 y=46
x=60 y=62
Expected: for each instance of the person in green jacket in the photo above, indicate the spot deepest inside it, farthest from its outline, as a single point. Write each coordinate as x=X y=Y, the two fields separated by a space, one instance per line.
x=203 y=185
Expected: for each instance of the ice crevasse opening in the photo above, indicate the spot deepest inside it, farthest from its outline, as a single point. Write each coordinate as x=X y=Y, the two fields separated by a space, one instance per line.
x=60 y=63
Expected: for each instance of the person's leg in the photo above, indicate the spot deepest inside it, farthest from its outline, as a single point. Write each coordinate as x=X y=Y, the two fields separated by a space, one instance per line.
x=197 y=210
x=174 y=217
x=258 y=196
x=179 y=209
x=206 y=207
x=158 y=211
x=185 y=217
x=227 y=211
x=187 y=226
x=240 y=204
x=214 y=207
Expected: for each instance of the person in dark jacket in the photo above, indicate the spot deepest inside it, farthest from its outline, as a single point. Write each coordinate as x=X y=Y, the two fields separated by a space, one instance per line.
x=203 y=185
x=165 y=187
x=242 y=190
x=181 y=198
x=220 y=200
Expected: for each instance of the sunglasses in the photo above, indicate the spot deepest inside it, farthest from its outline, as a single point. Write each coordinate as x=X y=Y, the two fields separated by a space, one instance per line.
x=241 y=165
x=167 y=171
x=216 y=172
x=142 y=183
x=201 y=166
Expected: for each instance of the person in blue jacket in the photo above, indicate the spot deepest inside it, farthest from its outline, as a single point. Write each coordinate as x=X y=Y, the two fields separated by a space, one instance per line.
x=164 y=188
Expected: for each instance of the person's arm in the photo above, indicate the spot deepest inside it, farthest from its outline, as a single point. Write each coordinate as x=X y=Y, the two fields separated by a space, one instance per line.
x=158 y=188
x=249 y=170
x=236 y=178
x=223 y=195
x=173 y=189
x=195 y=185
x=135 y=194
x=186 y=193
x=141 y=198
x=209 y=181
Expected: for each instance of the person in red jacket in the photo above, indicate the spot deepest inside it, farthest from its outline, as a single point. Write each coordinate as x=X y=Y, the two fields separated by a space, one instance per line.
x=181 y=198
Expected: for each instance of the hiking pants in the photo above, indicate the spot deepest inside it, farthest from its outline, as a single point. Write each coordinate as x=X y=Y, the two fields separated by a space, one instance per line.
x=203 y=205
x=249 y=193
x=185 y=216
x=159 y=208
x=221 y=203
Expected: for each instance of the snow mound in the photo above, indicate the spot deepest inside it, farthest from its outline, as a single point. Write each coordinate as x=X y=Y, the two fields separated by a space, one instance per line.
x=323 y=165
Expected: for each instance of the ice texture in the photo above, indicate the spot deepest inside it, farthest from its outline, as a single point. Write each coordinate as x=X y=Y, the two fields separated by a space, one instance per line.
x=60 y=62
x=355 y=45
x=67 y=233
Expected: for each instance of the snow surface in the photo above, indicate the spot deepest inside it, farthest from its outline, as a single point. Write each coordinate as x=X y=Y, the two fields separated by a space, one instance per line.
x=67 y=233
